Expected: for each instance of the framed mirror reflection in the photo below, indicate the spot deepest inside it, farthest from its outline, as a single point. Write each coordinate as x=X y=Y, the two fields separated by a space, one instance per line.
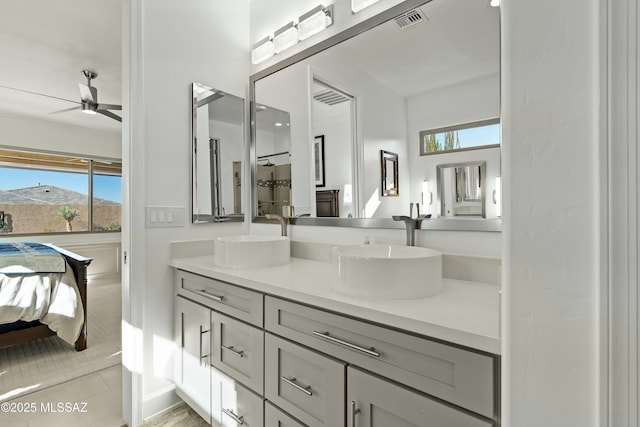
x=217 y=150
x=368 y=90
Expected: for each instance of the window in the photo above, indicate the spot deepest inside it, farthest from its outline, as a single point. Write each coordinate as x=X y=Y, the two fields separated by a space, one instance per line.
x=468 y=136
x=45 y=193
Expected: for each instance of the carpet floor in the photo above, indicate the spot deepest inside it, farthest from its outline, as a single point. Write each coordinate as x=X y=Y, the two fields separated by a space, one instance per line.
x=49 y=361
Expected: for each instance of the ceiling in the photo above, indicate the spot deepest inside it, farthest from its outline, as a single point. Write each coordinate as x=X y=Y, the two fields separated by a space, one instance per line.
x=458 y=41
x=44 y=45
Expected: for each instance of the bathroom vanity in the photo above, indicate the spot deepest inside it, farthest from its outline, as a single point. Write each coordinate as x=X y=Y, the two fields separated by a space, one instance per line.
x=277 y=346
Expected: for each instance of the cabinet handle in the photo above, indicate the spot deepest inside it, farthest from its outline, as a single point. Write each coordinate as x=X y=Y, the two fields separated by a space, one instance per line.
x=354 y=412
x=237 y=418
x=306 y=390
x=238 y=352
x=206 y=294
x=202 y=332
x=368 y=351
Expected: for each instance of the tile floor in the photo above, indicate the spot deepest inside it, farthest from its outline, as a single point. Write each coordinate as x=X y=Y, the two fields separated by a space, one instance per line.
x=97 y=396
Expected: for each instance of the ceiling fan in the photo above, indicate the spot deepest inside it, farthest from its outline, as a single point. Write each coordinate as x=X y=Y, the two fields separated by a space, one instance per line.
x=89 y=100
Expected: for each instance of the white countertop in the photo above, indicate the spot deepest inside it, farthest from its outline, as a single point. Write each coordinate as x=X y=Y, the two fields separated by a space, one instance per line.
x=465 y=313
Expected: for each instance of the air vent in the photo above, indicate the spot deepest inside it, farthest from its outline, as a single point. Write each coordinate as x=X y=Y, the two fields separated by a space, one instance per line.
x=330 y=97
x=410 y=18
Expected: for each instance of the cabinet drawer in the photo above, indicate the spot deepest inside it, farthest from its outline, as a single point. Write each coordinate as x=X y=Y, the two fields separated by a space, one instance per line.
x=240 y=406
x=304 y=383
x=238 y=302
x=375 y=402
x=461 y=377
x=275 y=417
x=238 y=350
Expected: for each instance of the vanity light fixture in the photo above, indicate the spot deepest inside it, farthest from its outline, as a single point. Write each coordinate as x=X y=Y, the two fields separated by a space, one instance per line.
x=427 y=198
x=262 y=50
x=495 y=3
x=277 y=124
x=285 y=37
x=358 y=5
x=497 y=195
x=314 y=21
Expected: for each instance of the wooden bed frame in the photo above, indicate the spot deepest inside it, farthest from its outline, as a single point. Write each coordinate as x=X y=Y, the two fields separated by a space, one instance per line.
x=79 y=266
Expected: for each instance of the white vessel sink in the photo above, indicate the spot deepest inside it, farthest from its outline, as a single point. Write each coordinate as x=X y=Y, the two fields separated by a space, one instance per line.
x=251 y=251
x=387 y=271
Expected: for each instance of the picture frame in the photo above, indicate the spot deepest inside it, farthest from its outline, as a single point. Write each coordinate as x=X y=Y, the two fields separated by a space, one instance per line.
x=389 y=184
x=318 y=156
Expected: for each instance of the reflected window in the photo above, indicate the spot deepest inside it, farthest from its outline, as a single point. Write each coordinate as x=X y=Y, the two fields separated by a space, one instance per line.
x=468 y=136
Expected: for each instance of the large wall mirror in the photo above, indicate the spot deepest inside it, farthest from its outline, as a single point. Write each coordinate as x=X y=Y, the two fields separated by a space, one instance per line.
x=374 y=88
x=217 y=138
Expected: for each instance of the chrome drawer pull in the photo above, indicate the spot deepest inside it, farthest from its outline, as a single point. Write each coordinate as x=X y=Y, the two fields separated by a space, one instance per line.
x=202 y=332
x=238 y=352
x=206 y=294
x=291 y=382
x=237 y=418
x=354 y=412
x=367 y=351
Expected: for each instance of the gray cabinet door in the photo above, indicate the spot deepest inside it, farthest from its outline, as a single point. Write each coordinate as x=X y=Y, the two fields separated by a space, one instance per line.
x=238 y=351
x=193 y=333
x=306 y=384
x=374 y=402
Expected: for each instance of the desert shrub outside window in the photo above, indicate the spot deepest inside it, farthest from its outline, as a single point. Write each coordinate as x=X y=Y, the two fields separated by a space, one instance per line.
x=50 y=193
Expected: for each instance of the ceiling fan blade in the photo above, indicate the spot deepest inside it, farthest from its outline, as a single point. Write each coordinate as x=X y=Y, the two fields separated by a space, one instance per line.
x=66 y=109
x=88 y=93
x=110 y=114
x=36 y=93
x=109 y=107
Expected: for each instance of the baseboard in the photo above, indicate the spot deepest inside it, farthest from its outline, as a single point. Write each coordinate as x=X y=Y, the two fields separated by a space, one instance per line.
x=104 y=279
x=159 y=402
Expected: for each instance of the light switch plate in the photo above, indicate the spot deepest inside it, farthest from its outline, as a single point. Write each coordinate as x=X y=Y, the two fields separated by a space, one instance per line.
x=164 y=216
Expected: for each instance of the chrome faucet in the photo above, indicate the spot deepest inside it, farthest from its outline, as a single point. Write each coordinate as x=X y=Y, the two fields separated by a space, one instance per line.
x=411 y=224
x=282 y=220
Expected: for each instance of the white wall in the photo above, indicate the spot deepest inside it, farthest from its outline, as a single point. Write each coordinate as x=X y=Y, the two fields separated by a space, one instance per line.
x=552 y=124
x=40 y=135
x=334 y=123
x=469 y=101
x=170 y=45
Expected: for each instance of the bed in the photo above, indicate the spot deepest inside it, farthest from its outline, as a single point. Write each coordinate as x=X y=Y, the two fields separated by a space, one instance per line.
x=21 y=332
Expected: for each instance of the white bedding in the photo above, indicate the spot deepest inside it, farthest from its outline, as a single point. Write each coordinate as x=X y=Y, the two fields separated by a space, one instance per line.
x=52 y=298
